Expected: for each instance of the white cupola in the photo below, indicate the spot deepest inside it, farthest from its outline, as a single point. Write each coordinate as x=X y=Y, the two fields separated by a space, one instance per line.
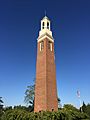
x=45 y=29
x=45 y=23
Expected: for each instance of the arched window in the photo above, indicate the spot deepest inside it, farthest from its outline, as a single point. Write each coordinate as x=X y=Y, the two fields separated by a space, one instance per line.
x=43 y=25
x=41 y=45
x=47 y=25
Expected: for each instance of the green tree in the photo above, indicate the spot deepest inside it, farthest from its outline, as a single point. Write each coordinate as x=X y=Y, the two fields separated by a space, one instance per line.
x=1 y=101
x=88 y=109
x=8 y=108
x=84 y=107
x=59 y=103
x=70 y=107
x=29 y=96
x=1 y=107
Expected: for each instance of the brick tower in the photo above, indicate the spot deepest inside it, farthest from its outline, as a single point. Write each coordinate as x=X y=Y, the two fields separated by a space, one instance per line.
x=45 y=86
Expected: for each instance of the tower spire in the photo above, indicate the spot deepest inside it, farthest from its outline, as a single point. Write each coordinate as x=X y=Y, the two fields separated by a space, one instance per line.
x=45 y=12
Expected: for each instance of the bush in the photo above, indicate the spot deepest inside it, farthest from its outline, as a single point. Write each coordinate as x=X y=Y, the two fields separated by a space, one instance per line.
x=21 y=114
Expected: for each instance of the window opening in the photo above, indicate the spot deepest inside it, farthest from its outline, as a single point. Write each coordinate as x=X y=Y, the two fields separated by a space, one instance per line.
x=47 y=25
x=41 y=45
x=50 y=46
x=43 y=25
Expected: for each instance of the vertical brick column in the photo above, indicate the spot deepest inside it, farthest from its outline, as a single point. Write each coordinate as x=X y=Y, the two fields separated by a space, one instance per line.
x=45 y=86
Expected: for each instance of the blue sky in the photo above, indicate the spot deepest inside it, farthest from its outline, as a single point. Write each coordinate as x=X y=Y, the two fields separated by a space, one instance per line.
x=19 y=27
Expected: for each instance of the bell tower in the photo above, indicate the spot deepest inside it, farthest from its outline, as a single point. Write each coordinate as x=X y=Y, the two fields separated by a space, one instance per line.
x=45 y=85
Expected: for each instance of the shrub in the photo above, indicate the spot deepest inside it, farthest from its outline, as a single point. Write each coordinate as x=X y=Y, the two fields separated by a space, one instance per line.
x=21 y=114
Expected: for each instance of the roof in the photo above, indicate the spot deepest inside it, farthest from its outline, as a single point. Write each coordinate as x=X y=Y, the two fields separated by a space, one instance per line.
x=46 y=18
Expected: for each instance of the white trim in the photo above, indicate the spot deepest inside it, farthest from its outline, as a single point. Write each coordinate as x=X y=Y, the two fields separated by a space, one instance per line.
x=51 y=46
x=44 y=31
x=40 y=39
x=40 y=46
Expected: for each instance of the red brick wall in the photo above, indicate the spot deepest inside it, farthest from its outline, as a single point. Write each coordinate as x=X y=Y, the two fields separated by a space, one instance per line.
x=45 y=86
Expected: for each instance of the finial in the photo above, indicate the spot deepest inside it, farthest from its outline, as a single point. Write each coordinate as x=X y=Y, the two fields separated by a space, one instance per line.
x=45 y=12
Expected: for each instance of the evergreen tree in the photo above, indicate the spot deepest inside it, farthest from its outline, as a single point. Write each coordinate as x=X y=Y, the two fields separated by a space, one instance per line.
x=88 y=109
x=84 y=107
x=1 y=107
x=1 y=103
